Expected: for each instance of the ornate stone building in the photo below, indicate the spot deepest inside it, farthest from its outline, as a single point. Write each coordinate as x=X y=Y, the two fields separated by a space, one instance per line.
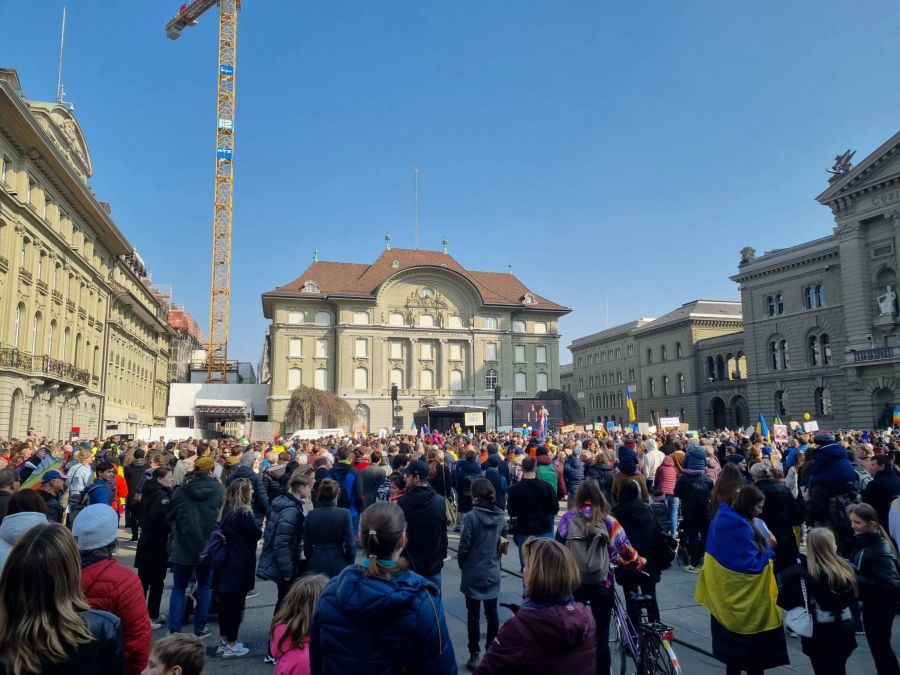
x=80 y=338
x=415 y=319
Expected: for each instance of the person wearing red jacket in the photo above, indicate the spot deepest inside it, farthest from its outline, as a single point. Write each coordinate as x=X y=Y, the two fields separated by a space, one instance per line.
x=109 y=585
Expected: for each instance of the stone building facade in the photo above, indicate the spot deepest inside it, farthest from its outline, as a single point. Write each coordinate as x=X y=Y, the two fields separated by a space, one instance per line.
x=73 y=317
x=416 y=319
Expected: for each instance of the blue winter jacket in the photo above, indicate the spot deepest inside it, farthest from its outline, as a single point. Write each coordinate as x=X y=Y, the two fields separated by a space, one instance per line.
x=369 y=626
x=831 y=468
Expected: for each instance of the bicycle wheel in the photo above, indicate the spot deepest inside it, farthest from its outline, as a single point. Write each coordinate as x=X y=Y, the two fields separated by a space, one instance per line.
x=617 y=650
x=658 y=657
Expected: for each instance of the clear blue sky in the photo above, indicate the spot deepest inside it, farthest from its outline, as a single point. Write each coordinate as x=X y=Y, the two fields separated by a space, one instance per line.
x=620 y=150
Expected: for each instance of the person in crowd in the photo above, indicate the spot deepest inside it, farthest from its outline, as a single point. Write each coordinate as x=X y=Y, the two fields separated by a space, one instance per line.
x=49 y=627
x=176 y=654
x=102 y=490
x=551 y=633
x=289 y=643
x=693 y=489
x=598 y=468
x=260 y=497
x=426 y=523
x=185 y=464
x=151 y=559
x=52 y=485
x=713 y=467
x=9 y=483
x=627 y=469
x=397 y=486
x=894 y=522
x=781 y=513
x=24 y=510
x=660 y=508
x=235 y=578
x=737 y=587
x=372 y=477
x=546 y=471
x=861 y=457
x=796 y=450
x=479 y=562
x=110 y=586
x=828 y=590
x=351 y=494
x=33 y=463
x=875 y=560
x=653 y=458
x=283 y=559
x=532 y=506
x=380 y=616
x=573 y=472
x=884 y=486
x=193 y=512
x=134 y=475
x=792 y=479
x=727 y=487
x=581 y=525
x=665 y=479
x=497 y=479
x=640 y=526
x=465 y=473
x=328 y=533
x=276 y=475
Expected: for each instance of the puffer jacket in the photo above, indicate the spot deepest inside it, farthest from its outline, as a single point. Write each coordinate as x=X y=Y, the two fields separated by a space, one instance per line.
x=573 y=472
x=603 y=473
x=15 y=526
x=275 y=481
x=464 y=474
x=282 y=551
x=877 y=569
x=112 y=587
x=260 y=496
x=477 y=556
x=831 y=468
x=375 y=626
x=666 y=476
x=193 y=513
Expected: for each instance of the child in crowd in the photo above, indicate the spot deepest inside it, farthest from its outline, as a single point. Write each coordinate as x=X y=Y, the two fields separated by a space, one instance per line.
x=661 y=510
x=177 y=654
x=291 y=624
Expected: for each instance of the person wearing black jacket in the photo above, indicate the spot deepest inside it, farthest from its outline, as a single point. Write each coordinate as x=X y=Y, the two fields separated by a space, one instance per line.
x=134 y=474
x=781 y=513
x=532 y=506
x=260 y=496
x=502 y=466
x=883 y=488
x=879 y=585
x=328 y=533
x=426 y=523
x=151 y=559
x=694 y=488
x=643 y=531
x=600 y=470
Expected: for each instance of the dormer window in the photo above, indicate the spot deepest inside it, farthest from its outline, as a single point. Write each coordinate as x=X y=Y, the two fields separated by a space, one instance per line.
x=395 y=264
x=426 y=293
x=528 y=299
x=310 y=287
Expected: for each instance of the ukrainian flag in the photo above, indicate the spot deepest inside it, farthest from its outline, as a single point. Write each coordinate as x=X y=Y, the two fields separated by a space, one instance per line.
x=777 y=420
x=629 y=404
x=737 y=583
x=761 y=427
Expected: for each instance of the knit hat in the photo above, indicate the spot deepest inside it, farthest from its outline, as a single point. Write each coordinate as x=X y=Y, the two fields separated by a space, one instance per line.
x=95 y=527
x=693 y=443
x=204 y=464
x=695 y=459
x=628 y=460
x=735 y=459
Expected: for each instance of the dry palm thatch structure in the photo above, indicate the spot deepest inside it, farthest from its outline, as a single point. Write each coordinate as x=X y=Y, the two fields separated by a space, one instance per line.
x=307 y=405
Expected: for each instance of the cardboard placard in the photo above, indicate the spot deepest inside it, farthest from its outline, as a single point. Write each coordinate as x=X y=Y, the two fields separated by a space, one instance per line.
x=474 y=419
x=569 y=428
x=643 y=428
x=812 y=425
x=794 y=425
x=780 y=432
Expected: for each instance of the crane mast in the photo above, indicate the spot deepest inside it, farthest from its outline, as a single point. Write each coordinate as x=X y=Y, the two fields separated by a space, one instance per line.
x=220 y=286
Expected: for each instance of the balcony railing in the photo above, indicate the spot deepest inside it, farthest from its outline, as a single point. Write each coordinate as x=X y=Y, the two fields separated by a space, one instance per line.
x=877 y=354
x=82 y=312
x=70 y=305
x=4 y=263
x=57 y=296
x=25 y=275
x=13 y=358
x=42 y=286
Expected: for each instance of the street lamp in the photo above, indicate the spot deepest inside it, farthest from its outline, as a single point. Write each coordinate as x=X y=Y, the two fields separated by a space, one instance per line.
x=496 y=407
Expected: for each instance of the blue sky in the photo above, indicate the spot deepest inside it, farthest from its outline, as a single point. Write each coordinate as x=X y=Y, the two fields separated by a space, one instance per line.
x=620 y=151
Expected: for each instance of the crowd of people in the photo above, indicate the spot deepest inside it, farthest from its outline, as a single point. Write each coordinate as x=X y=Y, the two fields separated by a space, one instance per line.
x=355 y=533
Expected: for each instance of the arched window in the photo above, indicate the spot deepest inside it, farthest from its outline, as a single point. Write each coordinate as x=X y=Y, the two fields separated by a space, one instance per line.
x=774 y=356
x=64 y=347
x=781 y=403
x=51 y=334
x=295 y=318
x=815 y=355
x=710 y=368
x=720 y=368
x=35 y=332
x=426 y=379
x=360 y=318
x=663 y=353
x=810 y=297
x=540 y=327
x=519 y=327
x=820 y=295
x=310 y=287
x=76 y=361
x=360 y=378
x=491 y=323
x=543 y=382
x=490 y=380
x=321 y=379
x=665 y=383
x=295 y=378
x=651 y=387
x=649 y=355
x=396 y=319
x=681 y=385
x=825 y=341
x=679 y=352
x=456 y=380
x=605 y=401
x=323 y=319
x=426 y=321
x=591 y=401
x=604 y=378
x=823 y=401
x=770 y=305
x=397 y=378
x=17 y=330
x=779 y=304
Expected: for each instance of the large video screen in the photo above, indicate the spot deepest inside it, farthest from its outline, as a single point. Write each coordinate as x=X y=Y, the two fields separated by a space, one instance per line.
x=527 y=411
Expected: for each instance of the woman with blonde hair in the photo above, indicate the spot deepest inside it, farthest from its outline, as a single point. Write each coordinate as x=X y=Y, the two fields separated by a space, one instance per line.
x=550 y=632
x=48 y=627
x=827 y=586
x=289 y=645
x=235 y=578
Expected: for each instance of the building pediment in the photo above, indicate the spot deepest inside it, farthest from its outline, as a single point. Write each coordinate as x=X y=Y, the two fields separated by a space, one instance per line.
x=878 y=171
x=63 y=129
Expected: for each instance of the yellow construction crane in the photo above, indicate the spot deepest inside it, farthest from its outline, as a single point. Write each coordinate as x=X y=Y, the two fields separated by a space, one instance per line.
x=220 y=289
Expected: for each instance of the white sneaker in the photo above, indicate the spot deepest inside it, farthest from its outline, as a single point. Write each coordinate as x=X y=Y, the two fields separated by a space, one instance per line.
x=222 y=646
x=237 y=649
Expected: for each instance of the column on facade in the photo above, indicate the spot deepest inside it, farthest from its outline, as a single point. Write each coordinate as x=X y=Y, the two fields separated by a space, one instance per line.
x=412 y=371
x=858 y=306
x=443 y=365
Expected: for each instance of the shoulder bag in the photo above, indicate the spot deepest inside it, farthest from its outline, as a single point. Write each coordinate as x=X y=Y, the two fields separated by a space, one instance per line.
x=799 y=619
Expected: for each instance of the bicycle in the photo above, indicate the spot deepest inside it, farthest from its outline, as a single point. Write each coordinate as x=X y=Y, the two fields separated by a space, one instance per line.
x=649 y=646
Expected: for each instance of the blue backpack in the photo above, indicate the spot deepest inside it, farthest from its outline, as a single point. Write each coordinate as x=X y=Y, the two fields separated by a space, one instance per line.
x=213 y=554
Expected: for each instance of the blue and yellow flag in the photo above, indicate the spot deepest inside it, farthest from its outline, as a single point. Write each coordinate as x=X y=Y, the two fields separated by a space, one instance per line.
x=737 y=584
x=629 y=404
x=777 y=420
x=761 y=427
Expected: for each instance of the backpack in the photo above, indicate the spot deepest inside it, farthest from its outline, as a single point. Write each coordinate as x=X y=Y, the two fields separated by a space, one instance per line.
x=213 y=554
x=79 y=500
x=590 y=547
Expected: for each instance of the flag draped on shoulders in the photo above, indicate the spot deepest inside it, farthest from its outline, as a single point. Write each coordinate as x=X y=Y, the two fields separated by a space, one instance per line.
x=737 y=584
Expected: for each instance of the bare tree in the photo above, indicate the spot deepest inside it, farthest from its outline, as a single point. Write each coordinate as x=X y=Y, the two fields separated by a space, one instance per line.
x=308 y=404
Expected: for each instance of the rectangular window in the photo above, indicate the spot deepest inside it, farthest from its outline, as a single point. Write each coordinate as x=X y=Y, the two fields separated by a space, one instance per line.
x=541 y=354
x=295 y=350
x=455 y=351
x=521 y=383
x=490 y=323
x=321 y=349
x=396 y=350
x=426 y=352
x=490 y=351
x=361 y=349
x=455 y=321
x=361 y=318
x=520 y=356
x=321 y=380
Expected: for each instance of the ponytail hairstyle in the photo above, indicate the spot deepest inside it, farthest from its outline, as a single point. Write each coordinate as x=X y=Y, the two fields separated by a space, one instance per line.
x=482 y=490
x=328 y=492
x=380 y=528
x=748 y=497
